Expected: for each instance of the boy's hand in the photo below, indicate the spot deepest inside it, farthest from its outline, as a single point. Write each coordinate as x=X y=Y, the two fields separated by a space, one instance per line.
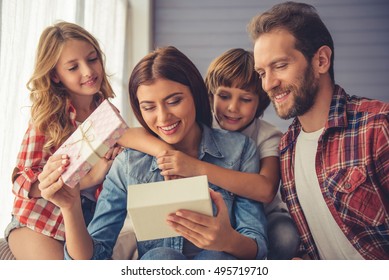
x=176 y=163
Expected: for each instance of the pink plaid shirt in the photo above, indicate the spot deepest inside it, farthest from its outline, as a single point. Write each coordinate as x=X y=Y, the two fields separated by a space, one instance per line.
x=37 y=214
x=352 y=166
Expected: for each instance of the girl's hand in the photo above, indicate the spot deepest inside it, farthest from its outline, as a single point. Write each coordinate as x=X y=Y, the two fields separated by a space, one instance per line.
x=113 y=152
x=51 y=185
x=97 y=173
x=211 y=233
x=176 y=163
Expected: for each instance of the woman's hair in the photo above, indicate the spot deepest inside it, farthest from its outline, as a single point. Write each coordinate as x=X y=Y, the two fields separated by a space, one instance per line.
x=302 y=21
x=170 y=64
x=235 y=68
x=50 y=102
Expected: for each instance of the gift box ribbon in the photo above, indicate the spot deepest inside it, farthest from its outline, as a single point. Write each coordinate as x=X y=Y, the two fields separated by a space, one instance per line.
x=87 y=135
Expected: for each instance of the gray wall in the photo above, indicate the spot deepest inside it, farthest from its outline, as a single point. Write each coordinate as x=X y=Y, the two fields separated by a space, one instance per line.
x=203 y=29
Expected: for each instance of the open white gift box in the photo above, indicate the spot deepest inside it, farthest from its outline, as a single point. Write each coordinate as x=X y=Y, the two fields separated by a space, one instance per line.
x=149 y=204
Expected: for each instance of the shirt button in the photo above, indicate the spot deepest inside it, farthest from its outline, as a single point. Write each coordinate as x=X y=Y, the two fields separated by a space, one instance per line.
x=347 y=185
x=26 y=169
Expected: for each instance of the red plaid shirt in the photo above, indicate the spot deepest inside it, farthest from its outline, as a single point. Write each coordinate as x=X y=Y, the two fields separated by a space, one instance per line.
x=352 y=166
x=37 y=214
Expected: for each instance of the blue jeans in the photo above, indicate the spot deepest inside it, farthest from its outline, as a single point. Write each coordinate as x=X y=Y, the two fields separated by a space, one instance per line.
x=284 y=239
x=88 y=209
x=165 y=253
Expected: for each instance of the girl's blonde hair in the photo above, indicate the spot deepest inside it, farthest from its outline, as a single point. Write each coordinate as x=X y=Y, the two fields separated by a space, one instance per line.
x=50 y=102
x=235 y=68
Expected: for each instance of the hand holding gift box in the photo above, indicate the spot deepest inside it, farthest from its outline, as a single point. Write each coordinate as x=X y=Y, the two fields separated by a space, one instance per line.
x=149 y=204
x=92 y=139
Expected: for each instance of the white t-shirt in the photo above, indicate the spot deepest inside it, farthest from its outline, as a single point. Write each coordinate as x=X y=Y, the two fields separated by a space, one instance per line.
x=267 y=137
x=329 y=238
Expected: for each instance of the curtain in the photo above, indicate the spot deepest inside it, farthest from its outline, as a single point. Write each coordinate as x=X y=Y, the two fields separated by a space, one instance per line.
x=22 y=22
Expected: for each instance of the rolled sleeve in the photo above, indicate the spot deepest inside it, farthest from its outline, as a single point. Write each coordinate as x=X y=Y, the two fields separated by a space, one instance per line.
x=31 y=159
x=23 y=181
x=251 y=222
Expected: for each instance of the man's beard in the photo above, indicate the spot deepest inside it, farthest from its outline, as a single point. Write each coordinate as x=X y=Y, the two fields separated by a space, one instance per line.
x=304 y=95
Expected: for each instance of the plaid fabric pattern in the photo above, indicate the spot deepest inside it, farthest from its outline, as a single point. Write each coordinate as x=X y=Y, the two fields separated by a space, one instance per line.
x=37 y=214
x=352 y=166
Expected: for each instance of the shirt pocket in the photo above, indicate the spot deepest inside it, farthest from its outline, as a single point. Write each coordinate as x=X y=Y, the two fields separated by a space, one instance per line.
x=355 y=197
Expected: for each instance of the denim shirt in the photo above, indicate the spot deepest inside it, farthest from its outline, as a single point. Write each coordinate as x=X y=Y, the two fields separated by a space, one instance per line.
x=226 y=149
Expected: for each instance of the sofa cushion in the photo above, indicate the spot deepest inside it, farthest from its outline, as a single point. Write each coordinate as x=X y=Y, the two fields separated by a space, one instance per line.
x=5 y=252
x=126 y=247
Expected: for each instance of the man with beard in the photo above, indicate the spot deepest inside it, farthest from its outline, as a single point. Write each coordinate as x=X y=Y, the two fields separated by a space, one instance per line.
x=335 y=155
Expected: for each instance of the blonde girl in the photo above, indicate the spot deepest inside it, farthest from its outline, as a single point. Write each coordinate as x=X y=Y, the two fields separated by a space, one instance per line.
x=67 y=84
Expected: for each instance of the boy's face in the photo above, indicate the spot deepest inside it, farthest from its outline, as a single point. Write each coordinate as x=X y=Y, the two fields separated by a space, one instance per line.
x=234 y=108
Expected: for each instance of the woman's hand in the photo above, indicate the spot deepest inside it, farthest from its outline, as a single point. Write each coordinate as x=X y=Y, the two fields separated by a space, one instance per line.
x=51 y=185
x=211 y=233
x=178 y=164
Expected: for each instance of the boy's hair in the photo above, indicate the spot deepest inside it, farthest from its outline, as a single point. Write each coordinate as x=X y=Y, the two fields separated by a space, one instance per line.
x=50 y=102
x=235 y=68
x=302 y=21
x=170 y=64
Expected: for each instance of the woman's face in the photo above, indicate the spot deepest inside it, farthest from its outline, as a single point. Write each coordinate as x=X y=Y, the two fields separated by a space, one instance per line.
x=169 y=111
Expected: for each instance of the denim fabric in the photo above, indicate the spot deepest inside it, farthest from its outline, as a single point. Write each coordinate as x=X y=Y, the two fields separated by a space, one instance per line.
x=88 y=209
x=284 y=239
x=163 y=253
x=226 y=149
x=11 y=226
